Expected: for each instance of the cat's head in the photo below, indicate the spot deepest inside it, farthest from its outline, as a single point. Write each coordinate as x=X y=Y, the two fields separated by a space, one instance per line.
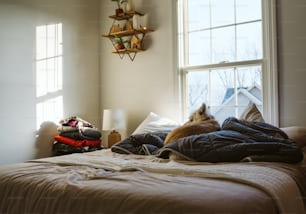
x=201 y=114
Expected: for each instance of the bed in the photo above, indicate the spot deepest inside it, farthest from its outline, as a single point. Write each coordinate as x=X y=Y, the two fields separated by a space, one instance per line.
x=108 y=181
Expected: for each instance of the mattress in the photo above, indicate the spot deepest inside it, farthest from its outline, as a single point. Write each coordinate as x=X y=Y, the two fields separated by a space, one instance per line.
x=107 y=182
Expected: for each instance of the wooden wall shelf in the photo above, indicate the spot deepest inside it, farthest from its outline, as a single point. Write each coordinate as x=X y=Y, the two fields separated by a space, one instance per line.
x=127 y=42
x=127 y=50
x=128 y=32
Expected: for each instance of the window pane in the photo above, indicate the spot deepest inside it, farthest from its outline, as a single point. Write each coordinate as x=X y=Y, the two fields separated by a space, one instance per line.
x=249 y=41
x=223 y=44
x=199 y=48
x=197 y=89
x=222 y=12
x=198 y=14
x=248 y=10
x=223 y=87
x=249 y=85
x=221 y=113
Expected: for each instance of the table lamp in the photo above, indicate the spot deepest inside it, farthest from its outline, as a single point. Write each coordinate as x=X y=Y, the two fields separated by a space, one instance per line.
x=113 y=121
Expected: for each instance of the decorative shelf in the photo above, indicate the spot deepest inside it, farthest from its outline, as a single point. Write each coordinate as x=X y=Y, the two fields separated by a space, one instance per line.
x=127 y=40
x=128 y=32
x=127 y=50
x=131 y=52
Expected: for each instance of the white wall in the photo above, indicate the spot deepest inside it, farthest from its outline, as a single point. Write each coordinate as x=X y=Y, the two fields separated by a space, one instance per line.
x=18 y=19
x=149 y=83
x=292 y=61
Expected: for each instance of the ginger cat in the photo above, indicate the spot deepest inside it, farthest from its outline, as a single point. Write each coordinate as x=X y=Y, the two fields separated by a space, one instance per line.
x=199 y=122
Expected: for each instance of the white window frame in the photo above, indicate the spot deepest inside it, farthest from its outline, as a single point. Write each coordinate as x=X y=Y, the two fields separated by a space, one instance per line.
x=269 y=65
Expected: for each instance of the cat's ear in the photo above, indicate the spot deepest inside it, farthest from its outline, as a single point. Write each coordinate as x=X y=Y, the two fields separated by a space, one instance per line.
x=203 y=109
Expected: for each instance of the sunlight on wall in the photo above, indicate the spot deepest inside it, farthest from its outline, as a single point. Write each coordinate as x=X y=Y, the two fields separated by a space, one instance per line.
x=49 y=73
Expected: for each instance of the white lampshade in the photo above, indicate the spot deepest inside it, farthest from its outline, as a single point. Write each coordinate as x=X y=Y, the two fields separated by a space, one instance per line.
x=114 y=119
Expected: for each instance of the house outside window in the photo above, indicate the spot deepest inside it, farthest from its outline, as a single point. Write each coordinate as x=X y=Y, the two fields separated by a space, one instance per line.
x=49 y=62
x=227 y=56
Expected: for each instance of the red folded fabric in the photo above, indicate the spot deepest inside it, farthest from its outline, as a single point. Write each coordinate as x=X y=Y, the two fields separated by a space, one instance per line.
x=77 y=143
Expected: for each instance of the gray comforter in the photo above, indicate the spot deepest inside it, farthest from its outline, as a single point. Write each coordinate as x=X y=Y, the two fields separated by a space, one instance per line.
x=238 y=140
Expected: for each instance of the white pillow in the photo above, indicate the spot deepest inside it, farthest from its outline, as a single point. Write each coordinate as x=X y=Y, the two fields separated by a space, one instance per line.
x=297 y=134
x=154 y=122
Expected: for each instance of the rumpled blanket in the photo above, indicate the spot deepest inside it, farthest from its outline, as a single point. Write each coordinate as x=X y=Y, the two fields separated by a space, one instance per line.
x=238 y=140
x=141 y=144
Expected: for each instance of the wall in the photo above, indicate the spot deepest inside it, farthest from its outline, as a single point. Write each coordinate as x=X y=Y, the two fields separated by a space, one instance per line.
x=149 y=83
x=292 y=63
x=18 y=19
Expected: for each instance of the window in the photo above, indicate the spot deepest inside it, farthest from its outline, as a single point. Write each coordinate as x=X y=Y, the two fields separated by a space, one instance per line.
x=49 y=73
x=227 y=56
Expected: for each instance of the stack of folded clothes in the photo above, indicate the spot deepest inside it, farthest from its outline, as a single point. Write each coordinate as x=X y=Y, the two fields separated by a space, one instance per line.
x=75 y=136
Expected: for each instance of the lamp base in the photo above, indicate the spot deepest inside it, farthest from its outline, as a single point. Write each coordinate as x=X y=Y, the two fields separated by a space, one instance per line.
x=113 y=138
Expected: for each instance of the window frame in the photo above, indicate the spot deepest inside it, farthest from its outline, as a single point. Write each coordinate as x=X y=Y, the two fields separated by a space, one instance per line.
x=268 y=63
